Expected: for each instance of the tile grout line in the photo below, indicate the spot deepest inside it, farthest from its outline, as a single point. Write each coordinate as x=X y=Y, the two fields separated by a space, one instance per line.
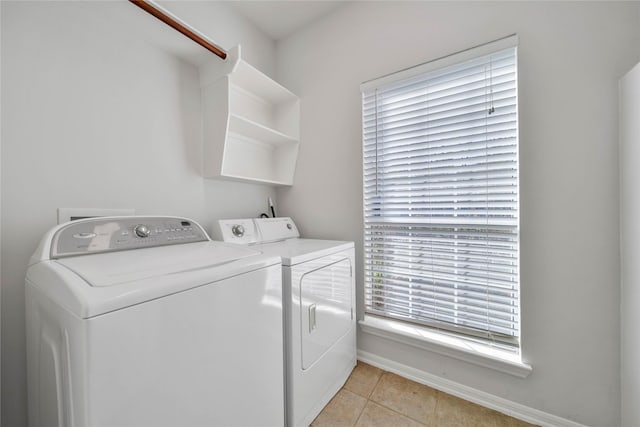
x=435 y=409
x=355 y=423
x=376 y=385
x=391 y=409
x=368 y=399
x=399 y=413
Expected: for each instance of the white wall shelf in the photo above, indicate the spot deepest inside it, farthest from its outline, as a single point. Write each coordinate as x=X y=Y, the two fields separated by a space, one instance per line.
x=251 y=123
x=256 y=131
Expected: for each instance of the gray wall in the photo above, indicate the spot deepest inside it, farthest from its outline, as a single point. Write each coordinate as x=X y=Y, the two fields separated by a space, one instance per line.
x=571 y=56
x=630 y=244
x=96 y=113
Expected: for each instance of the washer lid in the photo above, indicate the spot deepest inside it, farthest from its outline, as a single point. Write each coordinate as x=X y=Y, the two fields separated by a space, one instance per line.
x=93 y=285
x=296 y=251
x=115 y=268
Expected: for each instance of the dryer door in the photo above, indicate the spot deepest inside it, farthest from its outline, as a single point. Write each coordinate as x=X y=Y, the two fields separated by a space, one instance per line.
x=326 y=313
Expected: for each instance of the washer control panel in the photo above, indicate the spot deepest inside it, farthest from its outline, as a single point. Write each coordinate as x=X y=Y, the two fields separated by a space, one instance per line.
x=106 y=234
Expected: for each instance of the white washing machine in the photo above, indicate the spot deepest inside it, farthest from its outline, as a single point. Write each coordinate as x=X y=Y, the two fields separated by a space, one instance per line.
x=319 y=302
x=143 y=321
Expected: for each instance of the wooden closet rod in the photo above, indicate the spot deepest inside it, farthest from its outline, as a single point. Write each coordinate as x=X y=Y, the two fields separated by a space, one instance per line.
x=150 y=8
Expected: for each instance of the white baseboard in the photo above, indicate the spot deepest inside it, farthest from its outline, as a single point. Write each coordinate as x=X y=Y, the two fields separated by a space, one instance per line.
x=482 y=398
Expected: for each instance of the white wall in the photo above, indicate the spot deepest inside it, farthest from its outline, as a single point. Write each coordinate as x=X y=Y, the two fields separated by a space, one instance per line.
x=570 y=56
x=630 y=244
x=94 y=116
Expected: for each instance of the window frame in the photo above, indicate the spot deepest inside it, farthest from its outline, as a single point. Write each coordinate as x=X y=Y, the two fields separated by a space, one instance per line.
x=444 y=62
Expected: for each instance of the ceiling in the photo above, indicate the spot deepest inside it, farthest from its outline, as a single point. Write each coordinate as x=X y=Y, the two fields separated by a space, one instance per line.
x=278 y=19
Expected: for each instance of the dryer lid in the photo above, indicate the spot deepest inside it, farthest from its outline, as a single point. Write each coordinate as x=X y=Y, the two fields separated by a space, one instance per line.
x=114 y=268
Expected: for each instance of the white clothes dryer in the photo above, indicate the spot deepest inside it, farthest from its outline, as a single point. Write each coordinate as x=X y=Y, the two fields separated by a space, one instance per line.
x=319 y=304
x=143 y=321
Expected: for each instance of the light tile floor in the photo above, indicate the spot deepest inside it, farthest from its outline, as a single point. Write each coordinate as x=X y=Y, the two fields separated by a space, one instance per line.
x=375 y=398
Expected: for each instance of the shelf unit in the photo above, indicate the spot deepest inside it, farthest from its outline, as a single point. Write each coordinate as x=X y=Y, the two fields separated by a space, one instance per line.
x=251 y=123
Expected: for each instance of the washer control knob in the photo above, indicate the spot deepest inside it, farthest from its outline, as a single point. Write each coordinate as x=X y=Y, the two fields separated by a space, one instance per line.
x=237 y=230
x=142 y=231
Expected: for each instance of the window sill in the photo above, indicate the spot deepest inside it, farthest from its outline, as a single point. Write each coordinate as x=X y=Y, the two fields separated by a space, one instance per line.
x=447 y=345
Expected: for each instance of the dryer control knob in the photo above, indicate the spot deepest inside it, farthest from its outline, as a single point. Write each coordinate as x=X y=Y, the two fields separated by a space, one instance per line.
x=237 y=230
x=142 y=231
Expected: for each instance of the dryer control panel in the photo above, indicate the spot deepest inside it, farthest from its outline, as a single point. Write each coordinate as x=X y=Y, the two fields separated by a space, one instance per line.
x=241 y=231
x=255 y=230
x=274 y=229
x=106 y=234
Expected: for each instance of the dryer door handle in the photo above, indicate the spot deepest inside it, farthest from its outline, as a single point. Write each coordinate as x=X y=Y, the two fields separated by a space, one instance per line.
x=312 y=318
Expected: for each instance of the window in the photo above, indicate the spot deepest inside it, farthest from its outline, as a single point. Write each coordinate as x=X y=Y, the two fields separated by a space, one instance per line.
x=441 y=227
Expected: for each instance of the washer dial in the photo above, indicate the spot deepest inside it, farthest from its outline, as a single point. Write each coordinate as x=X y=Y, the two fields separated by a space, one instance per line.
x=142 y=230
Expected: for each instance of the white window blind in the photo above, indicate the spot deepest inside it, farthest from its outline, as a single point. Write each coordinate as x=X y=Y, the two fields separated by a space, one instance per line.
x=441 y=221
